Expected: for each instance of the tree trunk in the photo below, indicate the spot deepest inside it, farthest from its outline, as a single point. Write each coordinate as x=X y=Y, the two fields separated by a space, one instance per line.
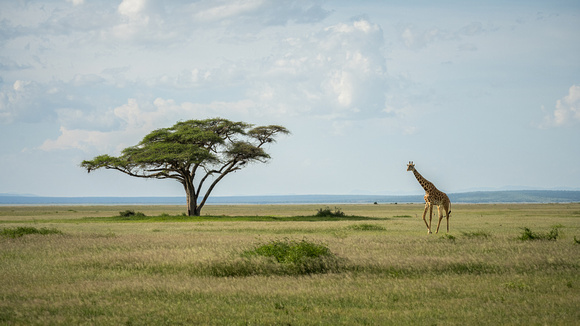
x=192 y=208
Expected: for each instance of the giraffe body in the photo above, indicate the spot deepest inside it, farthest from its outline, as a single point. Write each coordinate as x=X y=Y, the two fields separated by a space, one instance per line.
x=433 y=197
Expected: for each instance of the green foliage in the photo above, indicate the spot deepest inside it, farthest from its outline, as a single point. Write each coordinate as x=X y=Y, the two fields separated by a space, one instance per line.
x=576 y=241
x=131 y=213
x=245 y=151
x=291 y=251
x=327 y=212
x=24 y=230
x=366 y=227
x=297 y=257
x=528 y=234
x=168 y=152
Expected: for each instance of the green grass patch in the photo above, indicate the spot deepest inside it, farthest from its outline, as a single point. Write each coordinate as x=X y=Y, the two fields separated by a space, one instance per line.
x=290 y=251
x=476 y=234
x=208 y=218
x=297 y=257
x=20 y=231
x=528 y=234
x=279 y=257
x=448 y=237
x=366 y=227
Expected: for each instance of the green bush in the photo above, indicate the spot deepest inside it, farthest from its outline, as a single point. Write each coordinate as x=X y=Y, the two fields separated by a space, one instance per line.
x=23 y=230
x=327 y=212
x=528 y=234
x=298 y=257
x=131 y=213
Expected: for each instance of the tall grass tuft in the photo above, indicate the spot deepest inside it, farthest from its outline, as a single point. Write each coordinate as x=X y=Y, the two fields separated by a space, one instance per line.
x=528 y=234
x=24 y=230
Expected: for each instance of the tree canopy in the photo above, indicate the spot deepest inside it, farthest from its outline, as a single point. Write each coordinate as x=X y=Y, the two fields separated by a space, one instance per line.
x=197 y=153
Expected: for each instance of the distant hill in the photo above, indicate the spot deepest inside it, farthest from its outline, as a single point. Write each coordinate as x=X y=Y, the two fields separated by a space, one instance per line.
x=512 y=196
x=517 y=196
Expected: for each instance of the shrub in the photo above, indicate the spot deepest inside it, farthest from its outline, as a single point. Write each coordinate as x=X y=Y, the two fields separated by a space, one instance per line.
x=298 y=257
x=576 y=241
x=131 y=213
x=23 y=230
x=528 y=234
x=327 y=212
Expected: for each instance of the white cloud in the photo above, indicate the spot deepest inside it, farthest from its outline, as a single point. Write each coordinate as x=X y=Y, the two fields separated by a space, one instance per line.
x=135 y=21
x=136 y=120
x=567 y=111
x=252 y=15
x=79 y=139
x=339 y=71
x=76 y=2
x=37 y=102
x=131 y=8
x=27 y=101
x=219 y=10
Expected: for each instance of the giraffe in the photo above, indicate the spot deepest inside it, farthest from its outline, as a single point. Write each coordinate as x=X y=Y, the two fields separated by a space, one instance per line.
x=433 y=196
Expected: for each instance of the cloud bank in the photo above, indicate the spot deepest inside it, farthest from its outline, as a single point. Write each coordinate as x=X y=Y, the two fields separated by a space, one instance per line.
x=335 y=72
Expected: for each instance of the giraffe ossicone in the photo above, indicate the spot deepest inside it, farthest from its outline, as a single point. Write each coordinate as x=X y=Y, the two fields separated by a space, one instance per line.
x=433 y=196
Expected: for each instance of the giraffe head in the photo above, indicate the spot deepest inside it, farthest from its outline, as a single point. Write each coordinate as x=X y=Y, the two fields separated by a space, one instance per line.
x=410 y=166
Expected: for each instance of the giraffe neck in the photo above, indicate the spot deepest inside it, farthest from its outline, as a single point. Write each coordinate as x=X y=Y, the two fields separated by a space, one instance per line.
x=428 y=186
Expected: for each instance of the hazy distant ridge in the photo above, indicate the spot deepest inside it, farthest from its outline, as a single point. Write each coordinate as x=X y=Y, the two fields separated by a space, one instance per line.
x=512 y=196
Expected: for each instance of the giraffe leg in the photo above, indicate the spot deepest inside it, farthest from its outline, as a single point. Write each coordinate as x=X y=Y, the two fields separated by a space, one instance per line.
x=440 y=218
x=430 y=217
x=424 y=220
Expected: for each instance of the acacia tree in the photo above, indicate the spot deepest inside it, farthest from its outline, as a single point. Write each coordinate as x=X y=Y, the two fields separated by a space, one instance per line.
x=197 y=153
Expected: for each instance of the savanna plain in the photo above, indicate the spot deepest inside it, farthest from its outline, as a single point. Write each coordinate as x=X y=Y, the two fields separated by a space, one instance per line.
x=500 y=264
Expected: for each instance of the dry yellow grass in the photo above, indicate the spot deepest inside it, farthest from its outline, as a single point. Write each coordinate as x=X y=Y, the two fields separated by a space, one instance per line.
x=119 y=272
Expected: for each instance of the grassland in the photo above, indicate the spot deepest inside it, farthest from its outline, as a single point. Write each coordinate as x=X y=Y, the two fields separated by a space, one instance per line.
x=167 y=269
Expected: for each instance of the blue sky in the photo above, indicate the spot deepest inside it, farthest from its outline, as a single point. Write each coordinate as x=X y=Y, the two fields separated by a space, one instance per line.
x=480 y=95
